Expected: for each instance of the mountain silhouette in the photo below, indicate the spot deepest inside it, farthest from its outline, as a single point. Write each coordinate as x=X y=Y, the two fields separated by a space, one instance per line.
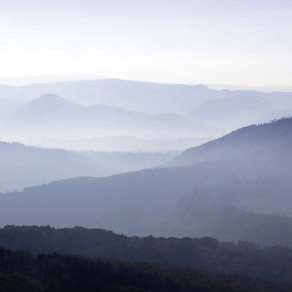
x=219 y=174
x=22 y=166
x=256 y=141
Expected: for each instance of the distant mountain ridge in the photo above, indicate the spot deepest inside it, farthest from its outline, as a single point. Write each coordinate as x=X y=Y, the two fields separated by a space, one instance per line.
x=22 y=166
x=53 y=118
x=146 y=97
x=55 y=107
x=151 y=98
x=159 y=113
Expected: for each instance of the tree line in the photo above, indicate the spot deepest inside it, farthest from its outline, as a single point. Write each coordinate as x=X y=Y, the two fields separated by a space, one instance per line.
x=244 y=258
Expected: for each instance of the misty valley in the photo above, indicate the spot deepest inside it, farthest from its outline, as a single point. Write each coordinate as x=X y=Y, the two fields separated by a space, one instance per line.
x=117 y=185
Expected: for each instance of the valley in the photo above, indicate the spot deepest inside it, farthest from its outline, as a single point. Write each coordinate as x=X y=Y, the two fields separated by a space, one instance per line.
x=121 y=170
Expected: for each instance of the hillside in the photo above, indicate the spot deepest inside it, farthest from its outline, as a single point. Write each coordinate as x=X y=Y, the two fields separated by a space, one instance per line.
x=243 y=258
x=22 y=271
x=23 y=166
x=266 y=141
x=257 y=210
x=119 y=162
x=235 y=107
x=146 y=202
x=179 y=201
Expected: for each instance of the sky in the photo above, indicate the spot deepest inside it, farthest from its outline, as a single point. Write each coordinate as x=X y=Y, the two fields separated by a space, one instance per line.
x=239 y=42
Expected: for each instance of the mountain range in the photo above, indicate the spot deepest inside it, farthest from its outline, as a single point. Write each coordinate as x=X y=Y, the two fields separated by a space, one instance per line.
x=24 y=166
x=158 y=166
x=163 y=115
x=52 y=117
x=236 y=187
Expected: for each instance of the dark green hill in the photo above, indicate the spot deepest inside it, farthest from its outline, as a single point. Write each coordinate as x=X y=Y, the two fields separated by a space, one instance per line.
x=59 y=273
x=206 y=253
x=13 y=281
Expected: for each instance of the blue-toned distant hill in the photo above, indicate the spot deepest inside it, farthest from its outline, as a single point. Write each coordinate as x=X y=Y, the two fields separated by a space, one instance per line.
x=271 y=141
x=159 y=114
x=22 y=166
x=52 y=110
x=52 y=118
x=235 y=188
x=246 y=171
x=151 y=98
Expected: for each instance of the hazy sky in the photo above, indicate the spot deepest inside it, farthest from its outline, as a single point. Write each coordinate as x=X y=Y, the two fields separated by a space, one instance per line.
x=246 y=42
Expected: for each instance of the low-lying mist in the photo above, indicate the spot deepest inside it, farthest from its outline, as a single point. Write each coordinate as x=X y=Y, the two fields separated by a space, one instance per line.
x=141 y=158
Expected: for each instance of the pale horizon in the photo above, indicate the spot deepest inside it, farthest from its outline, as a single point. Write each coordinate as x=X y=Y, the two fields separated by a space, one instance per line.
x=237 y=42
x=42 y=79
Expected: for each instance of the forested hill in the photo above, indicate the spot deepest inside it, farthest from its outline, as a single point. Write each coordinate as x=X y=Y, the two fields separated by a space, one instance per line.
x=265 y=141
x=23 y=272
x=139 y=200
x=206 y=253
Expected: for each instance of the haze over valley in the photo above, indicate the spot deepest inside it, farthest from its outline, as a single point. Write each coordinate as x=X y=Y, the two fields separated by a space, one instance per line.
x=145 y=146
x=247 y=170
x=120 y=115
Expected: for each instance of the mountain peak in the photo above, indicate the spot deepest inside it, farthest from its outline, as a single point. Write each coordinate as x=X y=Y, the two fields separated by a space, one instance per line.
x=202 y=87
x=50 y=99
x=47 y=105
x=54 y=102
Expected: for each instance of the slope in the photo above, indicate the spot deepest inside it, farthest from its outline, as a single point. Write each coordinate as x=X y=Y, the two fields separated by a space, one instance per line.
x=206 y=253
x=51 y=117
x=145 y=202
x=268 y=141
x=257 y=210
x=63 y=273
x=23 y=166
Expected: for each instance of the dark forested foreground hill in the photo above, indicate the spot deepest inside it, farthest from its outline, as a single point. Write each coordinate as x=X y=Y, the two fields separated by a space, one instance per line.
x=206 y=253
x=20 y=271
